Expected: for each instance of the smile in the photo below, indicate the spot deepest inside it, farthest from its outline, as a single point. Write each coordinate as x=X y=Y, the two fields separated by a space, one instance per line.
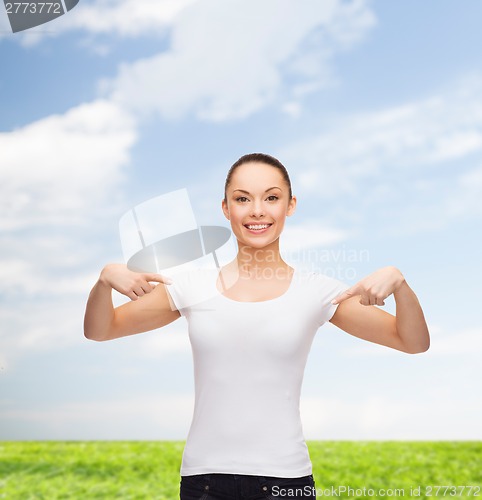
x=257 y=228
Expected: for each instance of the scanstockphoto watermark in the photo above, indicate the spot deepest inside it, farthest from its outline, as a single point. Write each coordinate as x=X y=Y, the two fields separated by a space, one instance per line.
x=341 y=263
x=336 y=491
x=25 y=15
x=346 y=491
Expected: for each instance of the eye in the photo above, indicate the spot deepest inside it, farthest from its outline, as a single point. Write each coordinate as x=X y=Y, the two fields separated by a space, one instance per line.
x=272 y=198
x=241 y=199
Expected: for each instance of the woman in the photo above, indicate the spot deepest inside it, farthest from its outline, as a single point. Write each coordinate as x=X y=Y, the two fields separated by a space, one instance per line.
x=251 y=339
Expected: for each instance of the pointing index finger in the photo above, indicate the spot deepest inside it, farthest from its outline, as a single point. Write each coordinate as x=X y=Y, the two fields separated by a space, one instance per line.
x=350 y=292
x=159 y=278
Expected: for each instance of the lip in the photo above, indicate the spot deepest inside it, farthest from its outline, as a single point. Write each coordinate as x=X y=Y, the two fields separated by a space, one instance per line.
x=257 y=231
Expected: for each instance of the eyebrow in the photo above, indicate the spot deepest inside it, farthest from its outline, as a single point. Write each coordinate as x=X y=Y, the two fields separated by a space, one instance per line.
x=247 y=192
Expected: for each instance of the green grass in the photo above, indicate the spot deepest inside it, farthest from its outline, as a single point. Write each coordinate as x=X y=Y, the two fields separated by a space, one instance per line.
x=150 y=470
x=397 y=464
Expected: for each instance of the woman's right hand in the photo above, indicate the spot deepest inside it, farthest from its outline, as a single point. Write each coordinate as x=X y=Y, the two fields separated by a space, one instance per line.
x=130 y=283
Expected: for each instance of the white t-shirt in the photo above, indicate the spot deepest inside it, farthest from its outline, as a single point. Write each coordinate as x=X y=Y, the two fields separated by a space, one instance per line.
x=249 y=359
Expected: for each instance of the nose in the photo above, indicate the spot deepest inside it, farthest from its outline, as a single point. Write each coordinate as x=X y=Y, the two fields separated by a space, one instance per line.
x=257 y=209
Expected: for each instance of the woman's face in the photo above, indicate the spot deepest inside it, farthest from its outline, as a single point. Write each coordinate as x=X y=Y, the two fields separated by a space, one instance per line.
x=257 y=203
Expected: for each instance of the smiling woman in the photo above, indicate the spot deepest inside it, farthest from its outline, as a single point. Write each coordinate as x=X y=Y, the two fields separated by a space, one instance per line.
x=251 y=339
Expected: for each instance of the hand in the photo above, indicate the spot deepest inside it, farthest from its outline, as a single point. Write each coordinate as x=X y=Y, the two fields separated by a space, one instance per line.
x=374 y=288
x=130 y=283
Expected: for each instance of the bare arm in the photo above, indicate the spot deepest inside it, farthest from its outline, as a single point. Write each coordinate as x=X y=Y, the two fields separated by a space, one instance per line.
x=411 y=325
x=407 y=331
x=149 y=308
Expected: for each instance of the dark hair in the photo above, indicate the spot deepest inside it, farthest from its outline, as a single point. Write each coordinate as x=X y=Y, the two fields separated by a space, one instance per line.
x=260 y=158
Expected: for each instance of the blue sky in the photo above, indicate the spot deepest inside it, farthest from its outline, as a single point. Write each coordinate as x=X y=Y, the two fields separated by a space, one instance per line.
x=374 y=107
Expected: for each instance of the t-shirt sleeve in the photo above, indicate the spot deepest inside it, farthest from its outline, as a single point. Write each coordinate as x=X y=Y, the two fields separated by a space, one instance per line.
x=176 y=291
x=189 y=288
x=326 y=289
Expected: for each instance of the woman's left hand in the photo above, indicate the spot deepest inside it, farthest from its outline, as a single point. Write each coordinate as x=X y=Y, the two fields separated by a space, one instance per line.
x=375 y=287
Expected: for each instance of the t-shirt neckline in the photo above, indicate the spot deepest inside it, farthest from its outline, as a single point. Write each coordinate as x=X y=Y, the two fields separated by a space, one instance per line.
x=286 y=292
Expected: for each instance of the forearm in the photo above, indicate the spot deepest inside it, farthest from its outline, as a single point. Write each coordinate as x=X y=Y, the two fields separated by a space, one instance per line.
x=411 y=325
x=99 y=312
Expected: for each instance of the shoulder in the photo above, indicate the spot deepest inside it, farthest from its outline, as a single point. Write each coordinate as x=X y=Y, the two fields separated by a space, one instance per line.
x=192 y=285
x=317 y=290
x=321 y=282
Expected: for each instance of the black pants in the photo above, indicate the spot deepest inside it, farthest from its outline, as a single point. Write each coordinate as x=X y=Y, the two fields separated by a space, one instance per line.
x=244 y=487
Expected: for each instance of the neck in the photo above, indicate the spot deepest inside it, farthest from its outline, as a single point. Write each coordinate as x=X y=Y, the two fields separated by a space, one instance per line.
x=249 y=259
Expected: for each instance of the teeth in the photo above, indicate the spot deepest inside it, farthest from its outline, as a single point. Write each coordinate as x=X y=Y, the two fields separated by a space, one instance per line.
x=258 y=226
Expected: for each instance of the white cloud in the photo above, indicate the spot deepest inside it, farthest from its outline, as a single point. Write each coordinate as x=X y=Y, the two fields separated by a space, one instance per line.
x=39 y=326
x=467 y=342
x=379 y=417
x=166 y=342
x=416 y=163
x=307 y=246
x=310 y=234
x=465 y=197
x=72 y=163
x=226 y=60
x=168 y=416
x=126 y=18
x=53 y=321
x=4 y=25
x=154 y=416
x=56 y=175
x=404 y=138
x=292 y=109
x=230 y=59
x=4 y=365
x=47 y=264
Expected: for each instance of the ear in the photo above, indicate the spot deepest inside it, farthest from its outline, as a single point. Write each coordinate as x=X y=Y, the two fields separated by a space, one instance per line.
x=224 y=206
x=291 y=206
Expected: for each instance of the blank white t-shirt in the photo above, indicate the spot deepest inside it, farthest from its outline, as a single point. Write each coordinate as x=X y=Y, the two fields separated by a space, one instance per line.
x=249 y=359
